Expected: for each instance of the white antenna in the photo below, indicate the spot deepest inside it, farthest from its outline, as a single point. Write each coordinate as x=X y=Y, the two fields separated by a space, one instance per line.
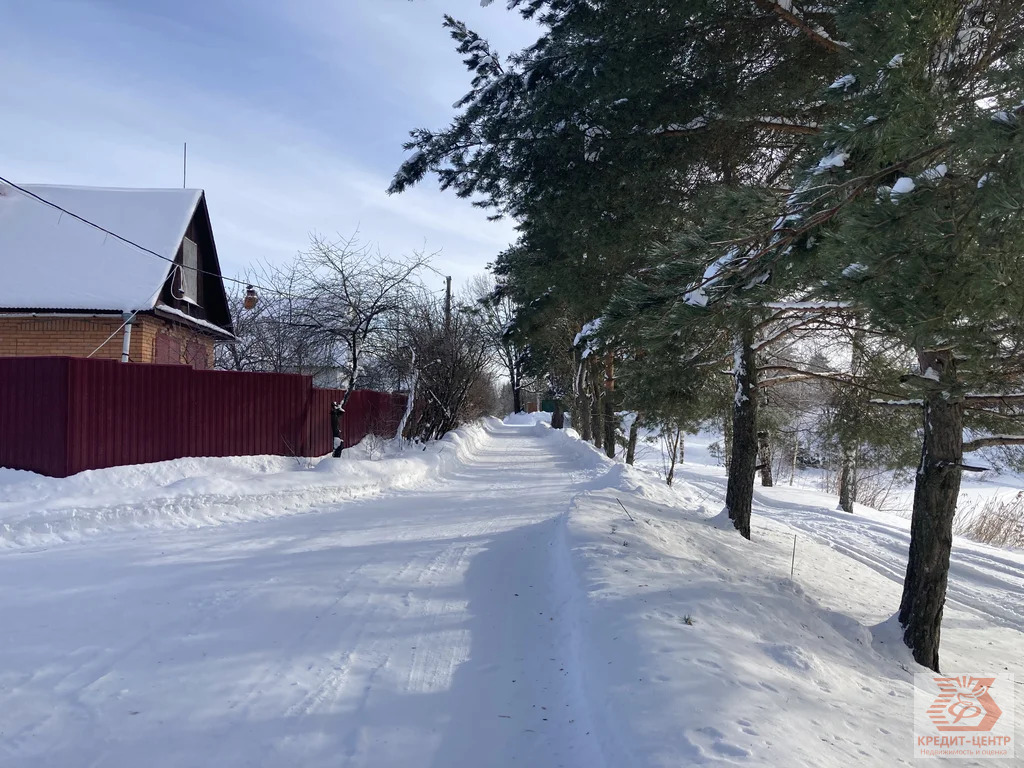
x=184 y=164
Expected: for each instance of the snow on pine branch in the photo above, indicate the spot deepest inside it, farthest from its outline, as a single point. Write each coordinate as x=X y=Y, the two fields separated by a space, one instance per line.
x=697 y=293
x=844 y=83
x=588 y=336
x=786 y=11
x=812 y=306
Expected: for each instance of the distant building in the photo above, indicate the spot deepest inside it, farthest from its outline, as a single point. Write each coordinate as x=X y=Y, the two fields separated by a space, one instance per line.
x=67 y=286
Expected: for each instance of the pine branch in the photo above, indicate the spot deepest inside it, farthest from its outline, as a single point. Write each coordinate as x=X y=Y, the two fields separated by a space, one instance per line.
x=1013 y=398
x=817 y=35
x=856 y=187
x=775 y=125
x=798 y=374
x=987 y=442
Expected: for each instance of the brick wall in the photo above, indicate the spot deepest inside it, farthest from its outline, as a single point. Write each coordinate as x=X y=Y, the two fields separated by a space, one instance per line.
x=144 y=339
x=80 y=336
x=73 y=336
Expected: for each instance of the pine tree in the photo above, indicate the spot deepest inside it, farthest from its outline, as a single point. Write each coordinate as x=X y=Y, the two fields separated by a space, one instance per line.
x=597 y=137
x=913 y=211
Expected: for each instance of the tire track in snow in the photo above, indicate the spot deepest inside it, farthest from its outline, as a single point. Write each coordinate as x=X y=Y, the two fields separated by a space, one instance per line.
x=884 y=549
x=346 y=637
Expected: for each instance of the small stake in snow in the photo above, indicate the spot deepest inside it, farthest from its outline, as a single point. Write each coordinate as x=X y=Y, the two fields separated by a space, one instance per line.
x=624 y=509
x=792 y=566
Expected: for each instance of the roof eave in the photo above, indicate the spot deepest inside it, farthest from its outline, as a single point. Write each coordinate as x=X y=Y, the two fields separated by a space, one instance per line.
x=203 y=326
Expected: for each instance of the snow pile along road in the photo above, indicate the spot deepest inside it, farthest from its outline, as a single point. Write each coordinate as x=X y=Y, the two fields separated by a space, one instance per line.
x=536 y=605
x=187 y=493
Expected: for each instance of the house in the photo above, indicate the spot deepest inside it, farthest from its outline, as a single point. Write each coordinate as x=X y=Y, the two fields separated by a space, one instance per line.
x=69 y=278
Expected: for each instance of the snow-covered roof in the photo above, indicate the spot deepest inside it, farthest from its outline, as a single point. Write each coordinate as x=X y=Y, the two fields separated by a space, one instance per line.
x=50 y=260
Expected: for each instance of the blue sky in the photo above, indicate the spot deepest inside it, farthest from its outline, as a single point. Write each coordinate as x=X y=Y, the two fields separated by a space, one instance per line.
x=294 y=112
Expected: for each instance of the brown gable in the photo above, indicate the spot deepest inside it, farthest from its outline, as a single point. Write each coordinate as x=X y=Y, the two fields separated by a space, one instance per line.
x=211 y=301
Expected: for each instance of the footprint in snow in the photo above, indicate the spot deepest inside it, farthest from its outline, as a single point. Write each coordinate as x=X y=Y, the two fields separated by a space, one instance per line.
x=713 y=741
x=788 y=656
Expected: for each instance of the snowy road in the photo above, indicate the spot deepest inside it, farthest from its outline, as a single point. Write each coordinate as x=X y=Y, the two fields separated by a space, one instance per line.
x=417 y=629
x=508 y=597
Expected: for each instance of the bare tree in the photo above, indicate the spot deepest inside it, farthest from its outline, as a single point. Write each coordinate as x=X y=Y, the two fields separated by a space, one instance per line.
x=357 y=297
x=273 y=335
x=453 y=382
x=497 y=314
x=345 y=309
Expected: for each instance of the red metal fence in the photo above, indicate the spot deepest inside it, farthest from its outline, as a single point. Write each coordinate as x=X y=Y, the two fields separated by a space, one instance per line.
x=61 y=415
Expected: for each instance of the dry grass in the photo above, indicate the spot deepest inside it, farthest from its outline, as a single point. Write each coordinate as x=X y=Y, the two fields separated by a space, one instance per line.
x=996 y=521
x=876 y=491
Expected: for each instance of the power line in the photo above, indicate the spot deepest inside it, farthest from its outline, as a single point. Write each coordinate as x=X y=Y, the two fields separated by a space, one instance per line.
x=435 y=270
x=142 y=248
x=151 y=252
x=122 y=325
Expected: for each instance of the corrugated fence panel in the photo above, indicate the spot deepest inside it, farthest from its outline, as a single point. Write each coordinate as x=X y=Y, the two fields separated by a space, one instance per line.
x=125 y=414
x=366 y=412
x=33 y=414
x=59 y=416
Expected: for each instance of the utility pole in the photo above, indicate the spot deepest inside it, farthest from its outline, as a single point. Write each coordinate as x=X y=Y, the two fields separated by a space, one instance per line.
x=447 y=306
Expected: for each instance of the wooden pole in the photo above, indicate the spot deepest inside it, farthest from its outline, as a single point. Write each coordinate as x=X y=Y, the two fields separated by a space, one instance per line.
x=447 y=306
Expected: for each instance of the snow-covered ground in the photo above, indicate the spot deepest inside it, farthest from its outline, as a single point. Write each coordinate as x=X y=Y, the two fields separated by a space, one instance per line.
x=894 y=490
x=506 y=597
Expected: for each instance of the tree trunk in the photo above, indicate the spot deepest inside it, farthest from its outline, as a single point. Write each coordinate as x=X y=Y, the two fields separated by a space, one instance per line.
x=339 y=442
x=846 y=479
x=796 y=452
x=583 y=407
x=671 y=474
x=611 y=421
x=581 y=419
x=597 y=416
x=764 y=449
x=558 y=416
x=517 y=398
x=631 y=442
x=727 y=439
x=681 y=451
x=676 y=454
x=931 y=526
x=850 y=413
x=739 y=494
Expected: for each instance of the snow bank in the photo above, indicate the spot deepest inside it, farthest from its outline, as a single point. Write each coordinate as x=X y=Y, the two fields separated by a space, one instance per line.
x=185 y=493
x=701 y=647
x=523 y=419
